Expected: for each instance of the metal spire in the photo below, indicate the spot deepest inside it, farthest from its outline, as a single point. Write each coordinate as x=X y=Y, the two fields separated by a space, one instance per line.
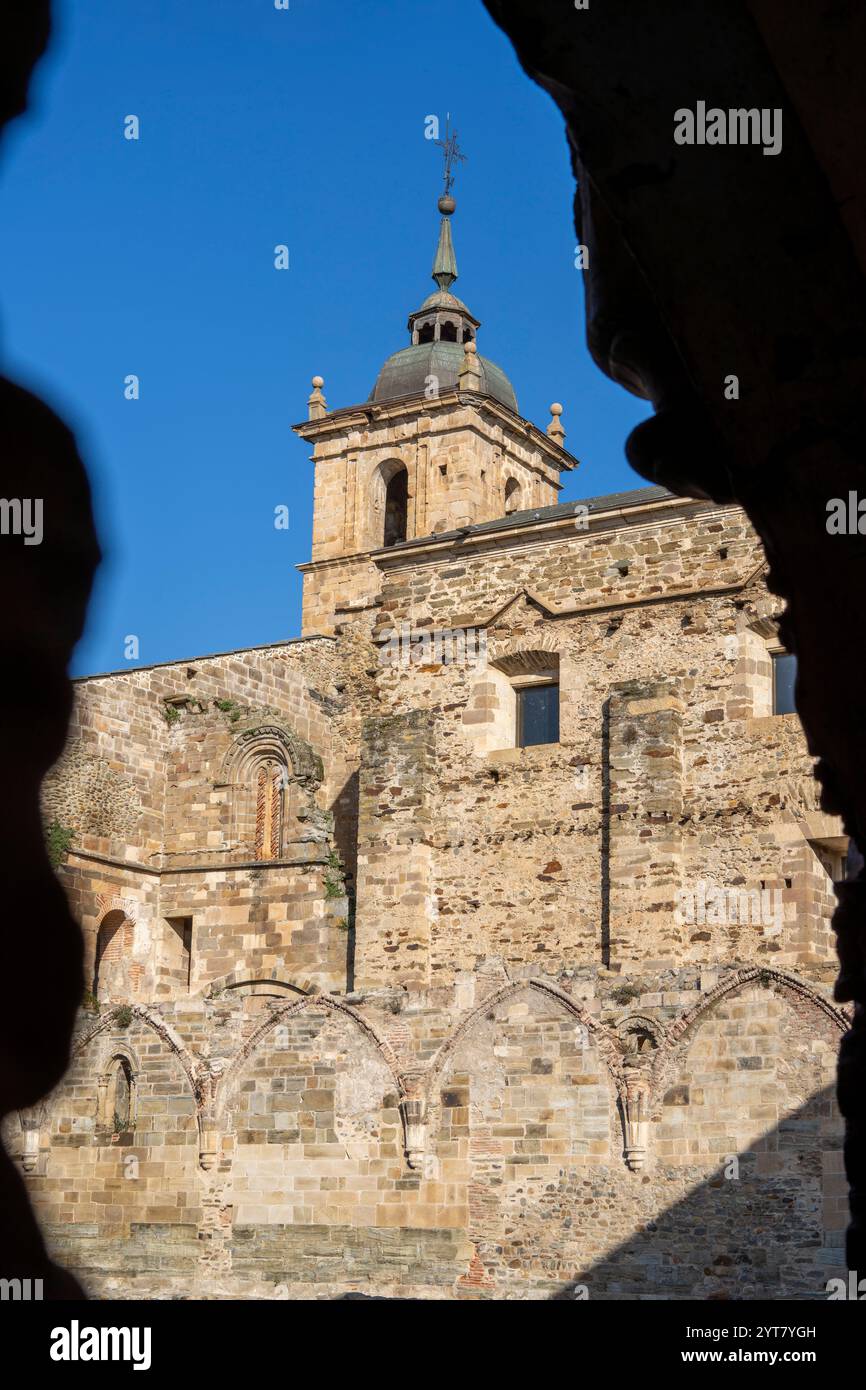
x=445 y=261
x=451 y=151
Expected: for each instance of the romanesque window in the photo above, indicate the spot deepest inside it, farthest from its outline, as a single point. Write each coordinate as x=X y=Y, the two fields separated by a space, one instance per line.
x=512 y=496
x=117 y=1097
x=271 y=776
x=270 y=784
x=448 y=332
x=396 y=507
x=426 y=332
x=784 y=677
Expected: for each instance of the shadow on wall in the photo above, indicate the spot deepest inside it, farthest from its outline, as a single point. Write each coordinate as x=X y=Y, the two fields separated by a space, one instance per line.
x=42 y=479
x=769 y=1224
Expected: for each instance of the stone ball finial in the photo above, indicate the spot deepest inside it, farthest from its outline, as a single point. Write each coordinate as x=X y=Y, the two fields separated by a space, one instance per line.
x=446 y=205
x=555 y=429
x=318 y=382
x=469 y=346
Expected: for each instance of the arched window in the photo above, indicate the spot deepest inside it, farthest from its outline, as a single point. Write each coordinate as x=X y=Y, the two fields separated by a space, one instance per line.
x=396 y=507
x=116 y=1097
x=120 y=1096
x=512 y=496
x=113 y=951
x=448 y=332
x=271 y=781
x=426 y=333
x=272 y=777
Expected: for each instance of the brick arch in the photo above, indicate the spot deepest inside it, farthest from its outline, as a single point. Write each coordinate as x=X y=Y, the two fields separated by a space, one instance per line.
x=605 y=1041
x=523 y=658
x=114 y=902
x=681 y=1032
x=224 y=1086
x=112 y=953
x=633 y=1022
x=780 y=980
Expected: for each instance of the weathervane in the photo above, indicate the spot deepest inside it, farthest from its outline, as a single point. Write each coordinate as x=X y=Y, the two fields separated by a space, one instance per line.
x=451 y=152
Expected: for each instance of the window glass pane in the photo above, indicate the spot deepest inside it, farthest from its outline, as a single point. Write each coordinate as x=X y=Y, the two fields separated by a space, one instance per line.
x=784 y=675
x=538 y=715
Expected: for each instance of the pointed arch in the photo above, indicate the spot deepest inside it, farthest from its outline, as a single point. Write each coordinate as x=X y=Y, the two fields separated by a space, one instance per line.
x=780 y=980
x=163 y=1030
x=224 y=1086
x=605 y=1042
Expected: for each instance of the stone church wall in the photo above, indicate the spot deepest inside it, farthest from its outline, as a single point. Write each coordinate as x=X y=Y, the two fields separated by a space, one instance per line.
x=457 y=1038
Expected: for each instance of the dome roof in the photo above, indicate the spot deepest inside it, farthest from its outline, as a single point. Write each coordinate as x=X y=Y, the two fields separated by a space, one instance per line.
x=443 y=299
x=439 y=331
x=407 y=373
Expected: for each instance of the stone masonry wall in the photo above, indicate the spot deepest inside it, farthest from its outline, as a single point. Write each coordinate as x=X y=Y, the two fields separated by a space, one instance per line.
x=515 y=1184
x=446 y=1028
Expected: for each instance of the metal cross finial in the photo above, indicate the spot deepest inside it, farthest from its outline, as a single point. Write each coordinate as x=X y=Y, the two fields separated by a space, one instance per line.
x=451 y=151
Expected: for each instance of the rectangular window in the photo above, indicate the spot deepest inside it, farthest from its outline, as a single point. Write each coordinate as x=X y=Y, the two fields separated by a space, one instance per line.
x=537 y=715
x=784 y=675
x=177 y=959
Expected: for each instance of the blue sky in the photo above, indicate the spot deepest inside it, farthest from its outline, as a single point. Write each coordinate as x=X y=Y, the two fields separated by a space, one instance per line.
x=155 y=257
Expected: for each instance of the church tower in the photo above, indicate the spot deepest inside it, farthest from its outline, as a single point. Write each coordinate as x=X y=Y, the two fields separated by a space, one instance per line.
x=438 y=446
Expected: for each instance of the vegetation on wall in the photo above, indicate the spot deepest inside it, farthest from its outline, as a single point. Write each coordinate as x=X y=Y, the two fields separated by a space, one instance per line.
x=58 y=840
x=231 y=708
x=625 y=994
x=335 y=876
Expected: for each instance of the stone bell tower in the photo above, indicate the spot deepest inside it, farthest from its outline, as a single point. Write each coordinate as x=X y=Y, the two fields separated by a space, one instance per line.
x=439 y=445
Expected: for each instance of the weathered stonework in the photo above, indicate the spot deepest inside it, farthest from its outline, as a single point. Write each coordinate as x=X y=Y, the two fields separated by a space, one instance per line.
x=389 y=1003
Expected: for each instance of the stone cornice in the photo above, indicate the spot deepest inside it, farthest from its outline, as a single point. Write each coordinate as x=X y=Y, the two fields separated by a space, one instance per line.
x=223 y=866
x=381 y=412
